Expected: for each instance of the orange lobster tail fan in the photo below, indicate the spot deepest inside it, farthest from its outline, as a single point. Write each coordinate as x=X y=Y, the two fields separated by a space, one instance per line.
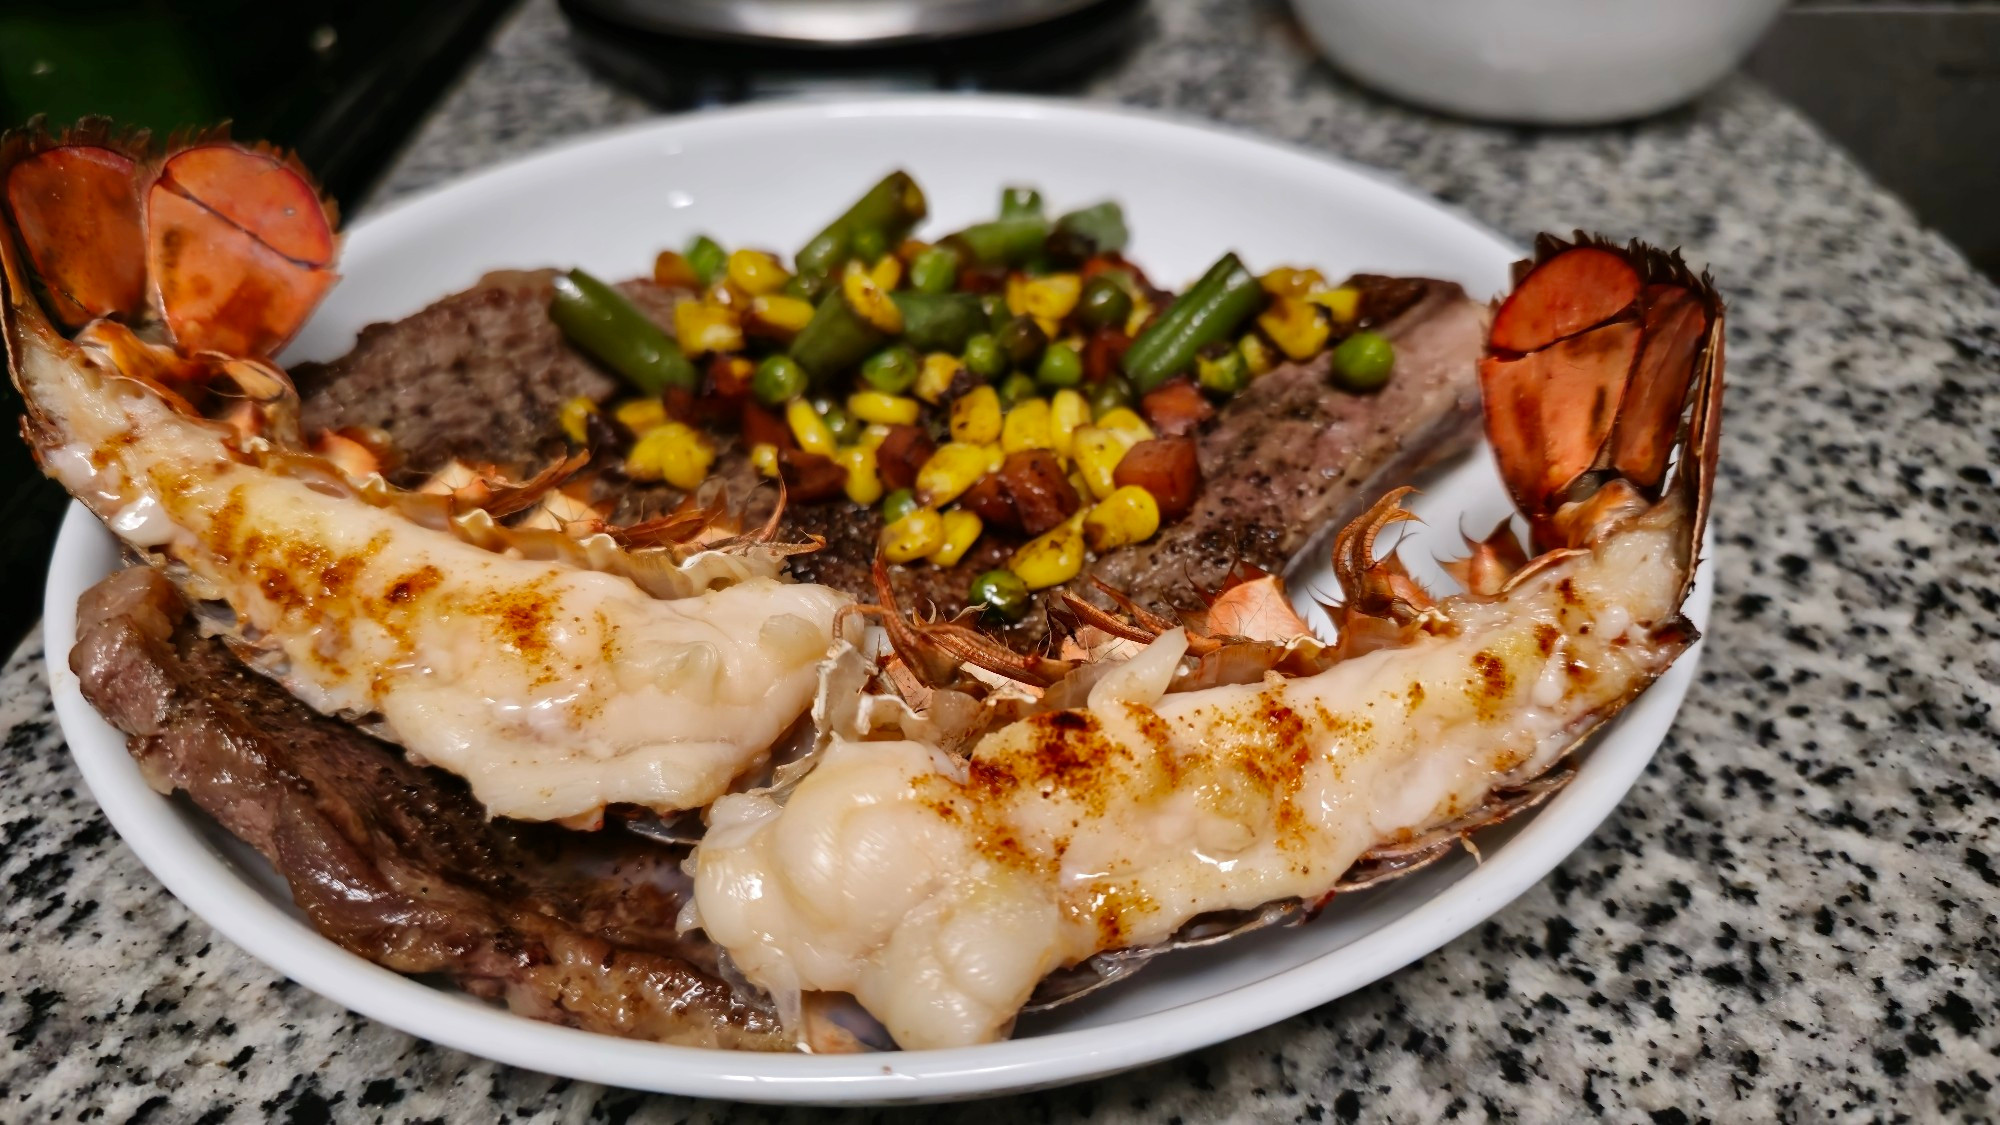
x=77 y=210
x=238 y=246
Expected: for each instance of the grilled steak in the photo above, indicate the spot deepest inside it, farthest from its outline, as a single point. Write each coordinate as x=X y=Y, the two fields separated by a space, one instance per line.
x=478 y=375
x=398 y=863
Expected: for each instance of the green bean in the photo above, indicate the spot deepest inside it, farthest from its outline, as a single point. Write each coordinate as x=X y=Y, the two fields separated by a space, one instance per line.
x=1211 y=309
x=994 y=306
x=934 y=270
x=806 y=286
x=937 y=322
x=835 y=339
x=889 y=210
x=1098 y=229
x=706 y=258
x=1020 y=202
x=598 y=319
x=1003 y=242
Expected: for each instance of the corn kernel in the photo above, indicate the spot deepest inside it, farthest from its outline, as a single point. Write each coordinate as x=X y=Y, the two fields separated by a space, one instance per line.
x=1051 y=296
x=1287 y=282
x=887 y=272
x=809 y=428
x=674 y=452
x=1344 y=303
x=1126 y=423
x=1067 y=411
x=975 y=416
x=869 y=300
x=882 y=409
x=1256 y=354
x=755 y=272
x=913 y=536
x=764 y=458
x=640 y=415
x=1295 y=326
x=1097 y=452
x=951 y=470
x=1017 y=294
x=1128 y=515
x=575 y=418
x=872 y=437
x=961 y=531
x=1050 y=559
x=704 y=326
x=1142 y=311
x=778 y=315
x=995 y=456
x=1026 y=426
x=864 y=483
x=935 y=376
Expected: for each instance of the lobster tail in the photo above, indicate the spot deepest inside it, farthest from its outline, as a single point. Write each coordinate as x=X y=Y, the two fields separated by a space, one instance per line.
x=1592 y=366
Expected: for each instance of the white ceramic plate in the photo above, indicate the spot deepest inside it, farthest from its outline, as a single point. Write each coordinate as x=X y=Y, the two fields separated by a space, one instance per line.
x=768 y=177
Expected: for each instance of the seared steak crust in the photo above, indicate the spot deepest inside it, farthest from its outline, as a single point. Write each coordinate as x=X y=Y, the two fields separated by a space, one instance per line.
x=397 y=862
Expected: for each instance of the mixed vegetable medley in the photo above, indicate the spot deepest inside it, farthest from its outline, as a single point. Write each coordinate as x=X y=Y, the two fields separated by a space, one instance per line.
x=1017 y=377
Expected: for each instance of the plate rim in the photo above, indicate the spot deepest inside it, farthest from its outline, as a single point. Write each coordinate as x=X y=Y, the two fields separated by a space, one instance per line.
x=217 y=893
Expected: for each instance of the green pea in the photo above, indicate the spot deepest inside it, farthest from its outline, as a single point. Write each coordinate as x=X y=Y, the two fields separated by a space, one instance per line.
x=1017 y=388
x=706 y=257
x=1109 y=395
x=1363 y=362
x=1223 y=375
x=846 y=427
x=870 y=244
x=1104 y=303
x=779 y=379
x=1060 y=367
x=996 y=310
x=934 y=270
x=984 y=358
x=1001 y=595
x=898 y=504
x=893 y=370
x=1022 y=341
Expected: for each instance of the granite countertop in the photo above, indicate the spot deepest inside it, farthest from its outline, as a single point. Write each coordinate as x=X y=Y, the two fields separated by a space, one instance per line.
x=1791 y=916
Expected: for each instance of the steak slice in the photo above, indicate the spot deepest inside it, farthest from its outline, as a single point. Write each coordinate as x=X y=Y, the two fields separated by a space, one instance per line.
x=1292 y=458
x=396 y=862
x=473 y=376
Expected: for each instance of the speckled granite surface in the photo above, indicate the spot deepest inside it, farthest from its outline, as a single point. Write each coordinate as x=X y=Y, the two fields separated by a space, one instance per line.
x=1791 y=917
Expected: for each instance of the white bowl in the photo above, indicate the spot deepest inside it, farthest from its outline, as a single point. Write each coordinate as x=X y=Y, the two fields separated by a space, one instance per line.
x=768 y=176
x=1558 y=62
